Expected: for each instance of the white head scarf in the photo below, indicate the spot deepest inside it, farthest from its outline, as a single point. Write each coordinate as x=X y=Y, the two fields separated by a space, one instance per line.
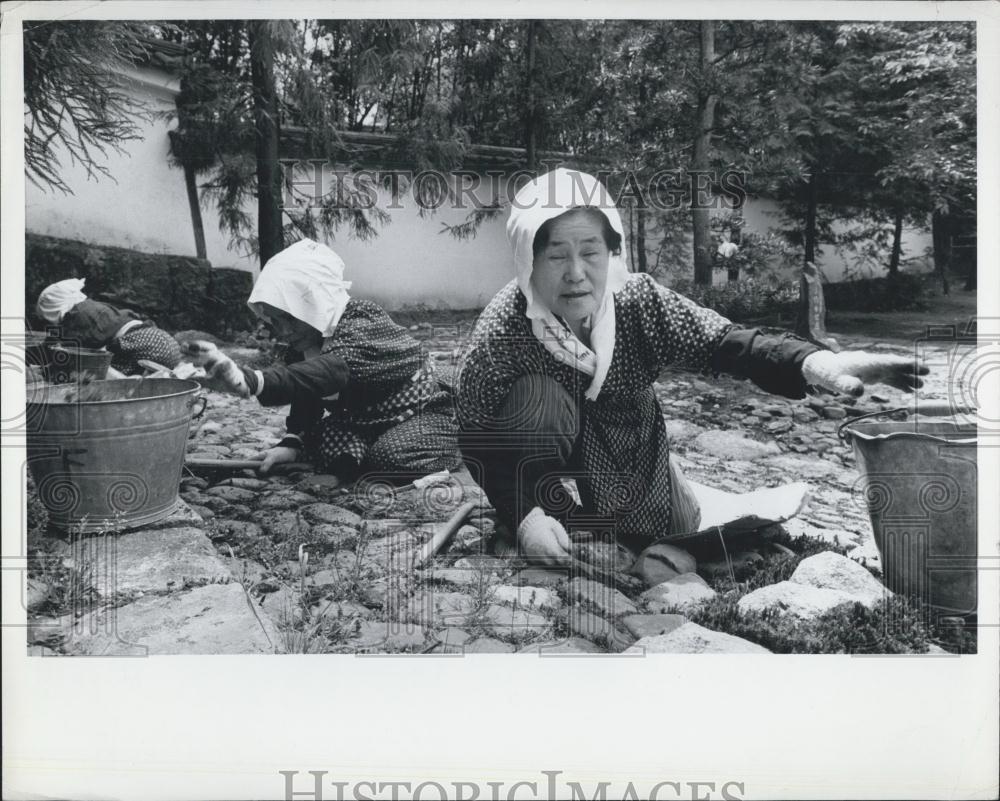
x=58 y=298
x=541 y=200
x=306 y=280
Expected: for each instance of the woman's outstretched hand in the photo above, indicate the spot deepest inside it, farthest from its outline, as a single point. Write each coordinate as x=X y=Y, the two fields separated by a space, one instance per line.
x=849 y=371
x=279 y=454
x=223 y=374
x=543 y=539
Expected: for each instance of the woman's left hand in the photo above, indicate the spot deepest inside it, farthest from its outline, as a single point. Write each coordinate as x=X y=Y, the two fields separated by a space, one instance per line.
x=849 y=371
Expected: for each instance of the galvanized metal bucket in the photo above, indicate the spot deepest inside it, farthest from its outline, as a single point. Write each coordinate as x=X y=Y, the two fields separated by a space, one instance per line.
x=66 y=362
x=113 y=462
x=919 y=482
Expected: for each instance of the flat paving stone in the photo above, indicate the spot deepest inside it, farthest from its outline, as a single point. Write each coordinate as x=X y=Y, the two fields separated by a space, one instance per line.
x=380 y=635
x=595 y=628
x=604 y=599
x=694 y=639
x=152 y=561
x=513 y=624
x=733 y=445
x=329 y=513
x=652 y=625
x=488 y=645
x=569 y=647
x=214 y=619
x=525 y=596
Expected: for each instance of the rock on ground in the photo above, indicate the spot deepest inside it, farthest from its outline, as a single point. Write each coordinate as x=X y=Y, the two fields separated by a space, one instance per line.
x=214 y=619
x=691 y=638
x=606 y=600
x=661 y=562
x=149 y=561
x=653 y=625
x=801 y=600
x=733 y=445
x=829 y=570
x=683 y=592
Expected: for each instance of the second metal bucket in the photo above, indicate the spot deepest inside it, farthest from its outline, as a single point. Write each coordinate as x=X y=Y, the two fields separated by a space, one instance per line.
x=65 y=362
x=919 y=478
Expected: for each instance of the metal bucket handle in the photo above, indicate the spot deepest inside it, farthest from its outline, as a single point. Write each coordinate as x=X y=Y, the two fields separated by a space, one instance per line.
x=204 y=405
x=933 y=408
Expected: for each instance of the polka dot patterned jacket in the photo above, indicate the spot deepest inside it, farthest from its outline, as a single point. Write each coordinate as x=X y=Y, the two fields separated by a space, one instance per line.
x=371 y=395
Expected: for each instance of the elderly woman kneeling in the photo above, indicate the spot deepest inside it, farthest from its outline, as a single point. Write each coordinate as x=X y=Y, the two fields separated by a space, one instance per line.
x=363 y=397
x=558 y=379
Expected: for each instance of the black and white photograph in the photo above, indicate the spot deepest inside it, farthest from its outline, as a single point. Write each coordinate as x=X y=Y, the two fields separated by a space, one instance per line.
x=497 y=341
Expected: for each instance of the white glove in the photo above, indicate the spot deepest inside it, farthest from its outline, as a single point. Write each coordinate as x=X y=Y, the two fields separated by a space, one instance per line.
x=543 y=539
x=222 y=372
x=849 y=371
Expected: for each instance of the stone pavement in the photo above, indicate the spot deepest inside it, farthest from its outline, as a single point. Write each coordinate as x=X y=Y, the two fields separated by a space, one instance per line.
x=293 y=563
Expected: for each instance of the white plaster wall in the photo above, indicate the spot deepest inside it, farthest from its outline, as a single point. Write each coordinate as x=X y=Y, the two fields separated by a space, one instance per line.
x=414 y=262
x=410 y=263
x=144 y=207
x=762 y=213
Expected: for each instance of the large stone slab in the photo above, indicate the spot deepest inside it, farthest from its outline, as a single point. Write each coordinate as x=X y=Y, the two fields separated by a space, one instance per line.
x=829 y=570
x=151 y=561
x=801 y=600
x=694 y=639
x=214 y=619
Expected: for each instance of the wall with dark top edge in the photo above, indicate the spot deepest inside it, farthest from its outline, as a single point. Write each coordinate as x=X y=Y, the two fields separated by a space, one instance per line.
x=176 y=292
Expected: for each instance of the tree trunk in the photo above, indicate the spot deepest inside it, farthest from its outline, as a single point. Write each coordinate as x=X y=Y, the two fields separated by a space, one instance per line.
x=196 y=222
x=640 y=240
x=810 y=232
x=265 y=105
x=701 y=206
x=940 y=236
x=897 y=243
x=736 y=237
x=531 y=116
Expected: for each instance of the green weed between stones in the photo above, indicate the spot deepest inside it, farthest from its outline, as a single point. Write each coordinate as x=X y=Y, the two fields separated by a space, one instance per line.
x=893 y=626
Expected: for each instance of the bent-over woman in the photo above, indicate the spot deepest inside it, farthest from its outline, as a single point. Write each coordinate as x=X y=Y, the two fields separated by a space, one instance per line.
x=363 y=397
x=90 y=323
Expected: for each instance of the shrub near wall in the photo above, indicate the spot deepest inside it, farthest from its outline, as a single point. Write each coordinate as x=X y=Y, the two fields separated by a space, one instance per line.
x=176 y=292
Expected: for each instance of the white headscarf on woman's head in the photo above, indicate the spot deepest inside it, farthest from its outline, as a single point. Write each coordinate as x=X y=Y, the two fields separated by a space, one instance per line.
x=541 y=200
x=58 y=298
x=306 y=280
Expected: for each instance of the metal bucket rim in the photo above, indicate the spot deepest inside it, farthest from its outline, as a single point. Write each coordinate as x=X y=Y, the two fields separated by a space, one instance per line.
x=848 y=433
x=193 y=386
